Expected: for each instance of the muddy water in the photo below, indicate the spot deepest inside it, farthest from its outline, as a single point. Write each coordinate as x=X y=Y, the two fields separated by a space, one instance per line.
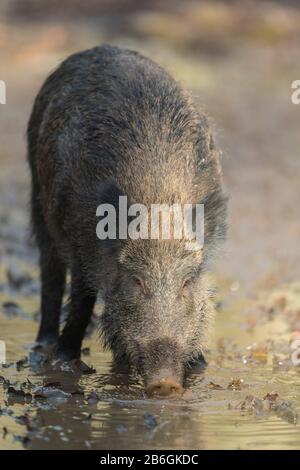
x=247 y=397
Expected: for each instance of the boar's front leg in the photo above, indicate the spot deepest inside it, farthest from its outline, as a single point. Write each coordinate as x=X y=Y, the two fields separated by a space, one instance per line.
x=81 y=309
x=53 y=273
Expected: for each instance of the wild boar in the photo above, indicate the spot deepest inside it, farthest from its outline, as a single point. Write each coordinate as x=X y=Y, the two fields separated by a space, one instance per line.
x=110 y=122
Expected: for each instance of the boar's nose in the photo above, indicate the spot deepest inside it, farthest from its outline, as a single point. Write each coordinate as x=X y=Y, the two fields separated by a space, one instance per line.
x=163 y=387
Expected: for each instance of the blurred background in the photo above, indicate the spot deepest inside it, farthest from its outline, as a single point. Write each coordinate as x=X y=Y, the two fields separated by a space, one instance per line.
x=238 y=57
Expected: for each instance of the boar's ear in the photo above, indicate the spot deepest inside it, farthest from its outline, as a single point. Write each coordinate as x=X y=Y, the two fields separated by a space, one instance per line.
x=212 y=229
x=109 y=193
x=215 y=214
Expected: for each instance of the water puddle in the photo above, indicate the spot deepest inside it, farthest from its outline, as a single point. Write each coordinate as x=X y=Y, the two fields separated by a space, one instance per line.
x=246 y=398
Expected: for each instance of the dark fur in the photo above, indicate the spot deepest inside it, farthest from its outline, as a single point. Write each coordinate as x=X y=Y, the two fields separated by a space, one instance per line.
x=107 y=122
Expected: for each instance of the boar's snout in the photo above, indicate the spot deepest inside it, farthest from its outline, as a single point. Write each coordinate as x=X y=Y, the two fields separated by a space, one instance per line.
x=164 y=384
x=162 y=368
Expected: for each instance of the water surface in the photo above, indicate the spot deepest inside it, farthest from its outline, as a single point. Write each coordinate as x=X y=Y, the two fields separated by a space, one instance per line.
x=223 y=406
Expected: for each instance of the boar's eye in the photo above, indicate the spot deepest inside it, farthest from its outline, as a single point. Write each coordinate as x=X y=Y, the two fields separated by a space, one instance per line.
x=185 y=283
x=138 y=282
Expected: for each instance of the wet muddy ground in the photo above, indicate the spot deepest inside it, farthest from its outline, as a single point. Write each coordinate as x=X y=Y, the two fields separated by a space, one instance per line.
x=248 y=396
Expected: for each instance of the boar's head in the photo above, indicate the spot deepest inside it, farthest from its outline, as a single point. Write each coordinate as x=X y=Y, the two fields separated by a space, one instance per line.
x=158 y=309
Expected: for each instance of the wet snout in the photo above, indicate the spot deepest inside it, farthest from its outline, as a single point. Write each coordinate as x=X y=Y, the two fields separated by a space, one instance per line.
x=162 y=367
x=164 y=384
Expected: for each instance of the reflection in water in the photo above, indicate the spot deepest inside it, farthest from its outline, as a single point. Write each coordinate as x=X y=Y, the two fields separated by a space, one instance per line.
x=109 y=409
x=118 y=425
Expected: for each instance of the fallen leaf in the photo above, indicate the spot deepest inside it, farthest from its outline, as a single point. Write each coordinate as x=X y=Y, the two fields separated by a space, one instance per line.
x=213 y=386
x=260 y=354
x=236 y=384
x=83 y=367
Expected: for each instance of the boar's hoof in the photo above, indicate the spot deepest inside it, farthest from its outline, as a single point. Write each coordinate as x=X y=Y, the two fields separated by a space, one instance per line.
x=66 y=355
